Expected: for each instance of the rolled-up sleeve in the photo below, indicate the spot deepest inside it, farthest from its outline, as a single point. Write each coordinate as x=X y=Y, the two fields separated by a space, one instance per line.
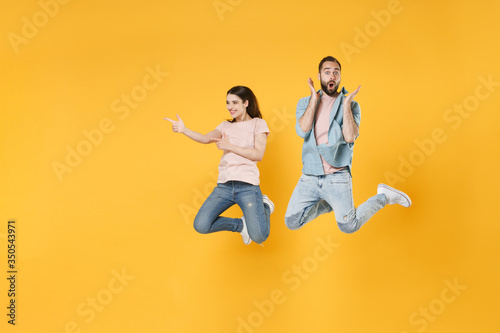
x=301 y=109
x=356 y=112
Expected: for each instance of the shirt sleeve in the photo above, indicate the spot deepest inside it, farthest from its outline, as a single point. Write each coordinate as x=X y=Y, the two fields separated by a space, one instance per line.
x=221 y=127
x=356 y=112
x=261 y=127
x=301 y=109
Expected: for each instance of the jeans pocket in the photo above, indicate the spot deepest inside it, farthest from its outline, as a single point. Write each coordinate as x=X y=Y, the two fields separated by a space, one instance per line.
x=305 y=179
x=339 y=179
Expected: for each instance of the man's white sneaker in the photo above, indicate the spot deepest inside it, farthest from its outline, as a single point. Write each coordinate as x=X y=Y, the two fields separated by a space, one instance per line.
x=268 y=201
x=244 y=233
x=394 y=196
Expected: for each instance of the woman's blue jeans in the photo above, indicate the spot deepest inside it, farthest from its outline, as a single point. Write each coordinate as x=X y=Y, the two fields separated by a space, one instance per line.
x=225 y=195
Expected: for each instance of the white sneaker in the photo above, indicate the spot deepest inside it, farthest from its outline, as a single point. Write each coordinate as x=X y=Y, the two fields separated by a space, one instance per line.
x=244 y=233
x=394 y=196
x=268 y=202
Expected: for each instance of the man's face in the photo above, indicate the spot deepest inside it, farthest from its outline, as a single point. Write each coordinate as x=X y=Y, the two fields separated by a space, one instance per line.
x=330 y=77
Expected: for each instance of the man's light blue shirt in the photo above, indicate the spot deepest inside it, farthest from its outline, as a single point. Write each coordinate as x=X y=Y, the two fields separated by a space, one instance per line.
x=338 y=153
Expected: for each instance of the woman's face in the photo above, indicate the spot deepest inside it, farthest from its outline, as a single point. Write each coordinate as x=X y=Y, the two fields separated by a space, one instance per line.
x=236 y=107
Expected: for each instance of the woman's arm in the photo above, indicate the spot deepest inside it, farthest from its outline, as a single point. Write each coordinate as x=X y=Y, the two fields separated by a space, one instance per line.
x=179 y=127
x=255 y=154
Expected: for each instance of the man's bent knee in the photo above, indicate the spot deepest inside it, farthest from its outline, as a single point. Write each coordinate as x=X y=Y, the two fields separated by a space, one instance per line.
x=349 y=227
x=293 y=222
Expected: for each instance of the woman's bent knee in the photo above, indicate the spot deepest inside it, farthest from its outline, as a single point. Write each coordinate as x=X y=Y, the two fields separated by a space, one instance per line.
x=201 y=226
x=259 y=239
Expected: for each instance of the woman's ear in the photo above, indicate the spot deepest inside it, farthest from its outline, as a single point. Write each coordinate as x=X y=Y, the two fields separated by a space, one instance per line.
x=245 y=104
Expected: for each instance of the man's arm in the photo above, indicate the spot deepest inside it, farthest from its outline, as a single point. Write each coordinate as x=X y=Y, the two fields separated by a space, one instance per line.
x=350 y=129
x=306 y=121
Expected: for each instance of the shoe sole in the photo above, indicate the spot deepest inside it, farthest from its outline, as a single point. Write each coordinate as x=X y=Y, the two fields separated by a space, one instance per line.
x=387 y=187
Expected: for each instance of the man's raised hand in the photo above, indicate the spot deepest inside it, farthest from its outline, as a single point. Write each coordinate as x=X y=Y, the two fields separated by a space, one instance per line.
x=350 y=97
x=311 y=86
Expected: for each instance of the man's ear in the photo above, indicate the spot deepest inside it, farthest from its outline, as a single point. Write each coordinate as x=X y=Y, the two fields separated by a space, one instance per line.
x=319 y=77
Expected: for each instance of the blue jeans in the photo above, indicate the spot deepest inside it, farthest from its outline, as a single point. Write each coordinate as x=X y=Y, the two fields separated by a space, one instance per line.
x=316 y=195
x=248 y=197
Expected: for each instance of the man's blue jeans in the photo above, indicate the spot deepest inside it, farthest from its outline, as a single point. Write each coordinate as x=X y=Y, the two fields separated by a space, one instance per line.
x=316 y=195
x=225 y=195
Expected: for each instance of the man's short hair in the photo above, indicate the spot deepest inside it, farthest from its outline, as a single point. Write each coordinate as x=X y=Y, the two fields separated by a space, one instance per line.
x=329 y=58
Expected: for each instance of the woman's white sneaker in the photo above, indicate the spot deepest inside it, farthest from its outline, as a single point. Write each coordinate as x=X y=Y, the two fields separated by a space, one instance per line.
x=268 y=202
x=244 y=233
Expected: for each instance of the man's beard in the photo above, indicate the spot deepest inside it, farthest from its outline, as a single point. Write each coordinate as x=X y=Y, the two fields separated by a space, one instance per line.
x=330 y=92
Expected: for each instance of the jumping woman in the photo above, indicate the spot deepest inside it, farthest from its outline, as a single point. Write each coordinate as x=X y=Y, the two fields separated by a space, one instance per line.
x=243 y=142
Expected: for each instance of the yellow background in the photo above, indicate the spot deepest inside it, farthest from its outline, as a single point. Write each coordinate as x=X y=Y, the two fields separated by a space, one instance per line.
x=129 y=205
